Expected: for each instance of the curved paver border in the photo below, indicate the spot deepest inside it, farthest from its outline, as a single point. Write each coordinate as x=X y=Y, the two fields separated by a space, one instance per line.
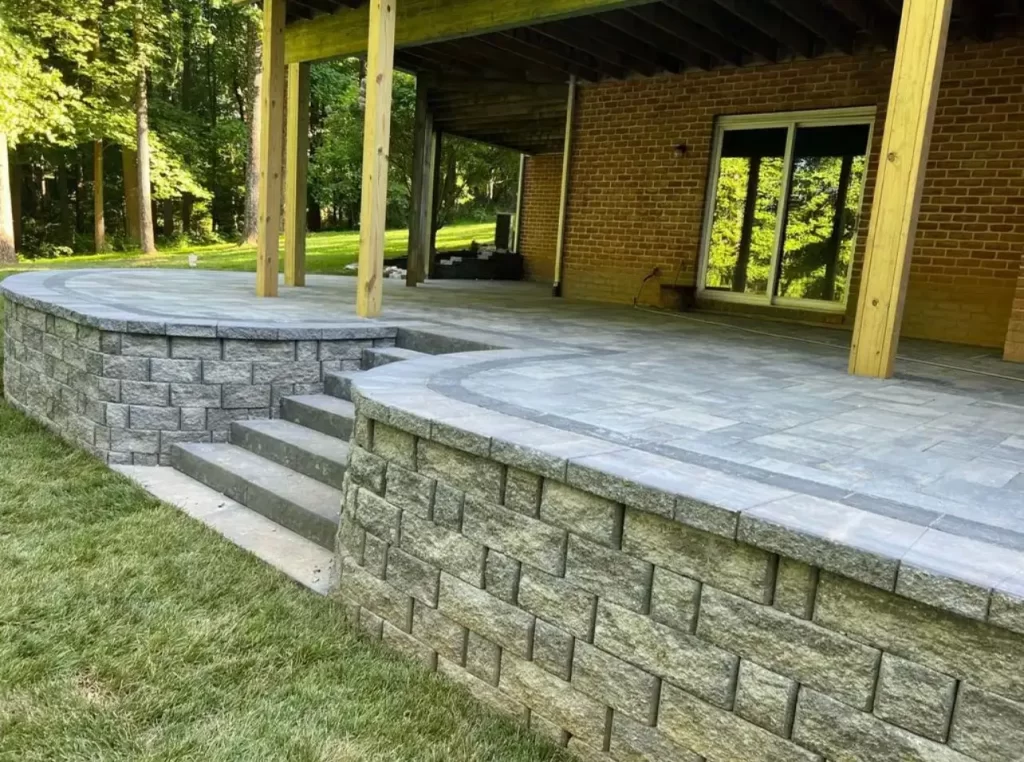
x=957 y=574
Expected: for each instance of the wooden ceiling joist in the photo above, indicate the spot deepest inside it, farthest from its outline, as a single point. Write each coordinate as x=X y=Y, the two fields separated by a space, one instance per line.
x=878 y=23
x=712 y=18
x=573 y=36
x=498 y=69
x=584 y=65
x=772 y=22
x=821 y=21
x=674 y=29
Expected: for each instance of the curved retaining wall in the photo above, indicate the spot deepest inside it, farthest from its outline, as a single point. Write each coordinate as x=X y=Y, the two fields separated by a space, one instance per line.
x=575 y=602
x=127 y=391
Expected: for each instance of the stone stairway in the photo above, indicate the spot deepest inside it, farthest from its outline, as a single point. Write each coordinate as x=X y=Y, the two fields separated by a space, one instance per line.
x=289 y=469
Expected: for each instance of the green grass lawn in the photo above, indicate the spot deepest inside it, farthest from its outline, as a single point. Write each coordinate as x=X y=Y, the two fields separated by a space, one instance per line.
x=325 y=252
x=130 y=632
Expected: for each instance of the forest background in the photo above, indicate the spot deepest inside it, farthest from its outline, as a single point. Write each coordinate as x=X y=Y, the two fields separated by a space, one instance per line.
x=99 y=96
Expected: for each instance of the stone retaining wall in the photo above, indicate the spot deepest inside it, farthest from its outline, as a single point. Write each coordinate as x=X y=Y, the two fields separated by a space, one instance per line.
x=629 y=636
x=128 y=396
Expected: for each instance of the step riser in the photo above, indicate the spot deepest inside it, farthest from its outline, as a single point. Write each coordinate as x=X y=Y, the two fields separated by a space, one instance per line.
x=307 y=463
x=313 y=527
x=318 y=420
x=338 y=385
x=373 y=359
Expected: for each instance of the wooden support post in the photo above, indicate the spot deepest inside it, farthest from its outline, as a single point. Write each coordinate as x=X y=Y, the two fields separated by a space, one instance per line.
x=271 y=147
x=519 y=203
x=422 y=203
x=380 y=60
x=908 y=127
x=563 y=199
x=436 y=199
x=295 y=175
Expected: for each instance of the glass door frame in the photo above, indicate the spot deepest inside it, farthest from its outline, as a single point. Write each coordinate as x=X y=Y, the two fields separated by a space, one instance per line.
x=790 y=120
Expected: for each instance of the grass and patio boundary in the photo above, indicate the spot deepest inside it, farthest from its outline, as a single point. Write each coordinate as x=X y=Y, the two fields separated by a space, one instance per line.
x=128 y=631
x=327 y=252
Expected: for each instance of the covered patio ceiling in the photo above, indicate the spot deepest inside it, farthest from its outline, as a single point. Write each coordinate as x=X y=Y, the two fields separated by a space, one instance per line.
x=508 y=87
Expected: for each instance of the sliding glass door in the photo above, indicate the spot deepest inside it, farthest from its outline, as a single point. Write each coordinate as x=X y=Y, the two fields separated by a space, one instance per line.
x=783 y=207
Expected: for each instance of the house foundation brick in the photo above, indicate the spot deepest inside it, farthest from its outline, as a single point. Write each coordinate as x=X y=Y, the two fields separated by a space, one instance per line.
x=636 y=203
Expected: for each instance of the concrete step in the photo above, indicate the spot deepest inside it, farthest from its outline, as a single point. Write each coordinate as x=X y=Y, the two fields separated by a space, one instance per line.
x=321 y=412
x=339 y=383
x=301 y=449
x=375 y=357
x=307 y=507
x=299 y=558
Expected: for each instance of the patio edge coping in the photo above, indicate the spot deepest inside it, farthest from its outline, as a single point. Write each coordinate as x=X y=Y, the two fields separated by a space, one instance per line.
x=33 y=290
x=960 y=575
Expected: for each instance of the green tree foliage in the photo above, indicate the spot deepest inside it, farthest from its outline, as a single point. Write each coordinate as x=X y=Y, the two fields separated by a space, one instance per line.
x=68 y=73
x=805 y=272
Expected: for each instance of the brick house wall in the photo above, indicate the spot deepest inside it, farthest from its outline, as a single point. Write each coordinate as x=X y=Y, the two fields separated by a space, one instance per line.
x=636 y=203
x=543 y=177
x=1014 y=347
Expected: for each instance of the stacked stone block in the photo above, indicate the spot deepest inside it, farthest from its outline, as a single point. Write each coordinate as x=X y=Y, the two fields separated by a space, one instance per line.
x=128 y=396
x=625 y=635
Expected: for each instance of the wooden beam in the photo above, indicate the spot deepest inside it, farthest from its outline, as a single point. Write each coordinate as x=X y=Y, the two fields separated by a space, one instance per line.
x=295 y=175
x=897 y=199
x=380 y=59
x=422 y=198
x=271 y=147
x=423 y=21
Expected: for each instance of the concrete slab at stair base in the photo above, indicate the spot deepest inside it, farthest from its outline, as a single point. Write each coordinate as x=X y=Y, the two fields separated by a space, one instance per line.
x=303 y=560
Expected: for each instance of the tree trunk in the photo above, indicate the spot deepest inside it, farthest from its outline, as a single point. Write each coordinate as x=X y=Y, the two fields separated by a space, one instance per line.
x=250 y=232
x=79 y=181
x=216 y=203
x=99 y=227
x=8 y=254
x=187 y=202
x=314 y=216
x=63 y=202
x=168 y=217
x=16 y=206
x=186 y=61
x=146 y=239
x=129 y=167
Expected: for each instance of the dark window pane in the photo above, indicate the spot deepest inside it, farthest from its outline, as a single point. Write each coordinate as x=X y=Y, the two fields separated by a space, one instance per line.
x=822 y=212
x=746 y=209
